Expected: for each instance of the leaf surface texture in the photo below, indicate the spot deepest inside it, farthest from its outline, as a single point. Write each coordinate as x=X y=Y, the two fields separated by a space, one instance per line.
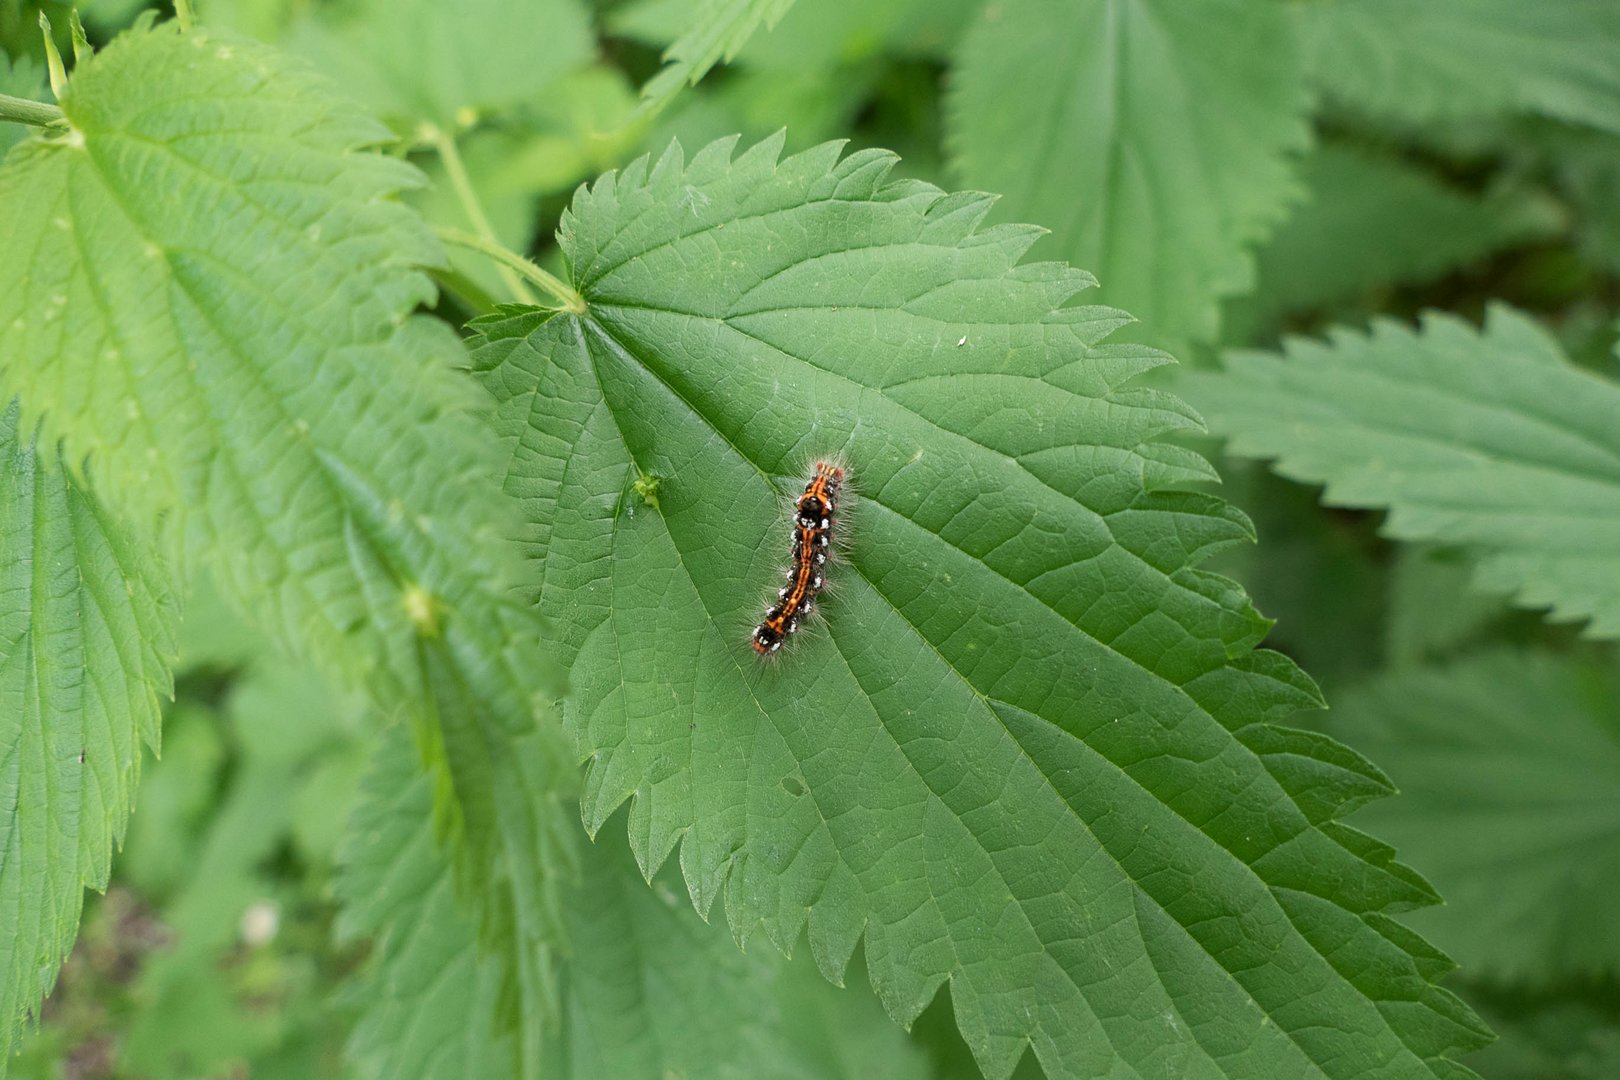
x=87 y=622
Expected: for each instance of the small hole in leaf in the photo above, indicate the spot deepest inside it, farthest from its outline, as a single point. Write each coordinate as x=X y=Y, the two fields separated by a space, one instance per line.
x=793 y=786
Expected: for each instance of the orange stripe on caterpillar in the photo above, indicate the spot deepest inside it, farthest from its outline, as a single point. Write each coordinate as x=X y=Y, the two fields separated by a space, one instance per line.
x=815 y=514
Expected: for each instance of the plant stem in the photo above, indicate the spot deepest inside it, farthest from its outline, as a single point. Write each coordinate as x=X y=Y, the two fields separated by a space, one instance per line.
x=444 y=143
x=23 y=111
x=511 y=261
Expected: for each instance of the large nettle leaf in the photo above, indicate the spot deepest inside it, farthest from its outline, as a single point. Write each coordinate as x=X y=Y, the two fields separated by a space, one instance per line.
x=207 y=284
x=1031 y=749
x=86 y=634
x=1487 y=439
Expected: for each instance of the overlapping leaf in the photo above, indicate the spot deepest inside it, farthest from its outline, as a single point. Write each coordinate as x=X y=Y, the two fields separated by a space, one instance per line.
x=814 y=36
x=1132 y=141
x=717 y=29
x=1490 y=440
x=86 y=635
x=1030 y=750
x=207 y=286
x=648 y=989
x=1509 y=770
x=1466 y=58
x=429 y=999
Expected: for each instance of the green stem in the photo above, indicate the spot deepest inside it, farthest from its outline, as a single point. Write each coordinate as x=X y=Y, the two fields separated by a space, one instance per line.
x=444 y=144
x=24 y=111
x=571 y=301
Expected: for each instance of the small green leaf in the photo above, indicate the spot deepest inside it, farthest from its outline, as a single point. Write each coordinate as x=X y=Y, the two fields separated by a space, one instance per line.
x=87 y=619
x=1423 y=61
x=1118 y=125
x=1489 y=440
x=1031 y=749
x=814 y=36
x=82 y=49
x=53 y=59
x=1508 y=766
x=718 y=29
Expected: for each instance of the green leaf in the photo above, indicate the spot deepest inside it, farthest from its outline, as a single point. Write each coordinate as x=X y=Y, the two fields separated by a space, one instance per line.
x=1489 y=440
x=814 y=36
x=648 y=990
x=428 y=60
x=1508 y=766
x=718 y=29
x=1421 y=61
x=209 y=288
x=1385 y=222
x=86 y=636
x=1028 y=724
x=1131 y=140
x=231 y=265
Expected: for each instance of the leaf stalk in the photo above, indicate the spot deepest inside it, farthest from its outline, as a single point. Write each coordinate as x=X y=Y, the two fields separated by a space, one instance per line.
x=444 y=144
x=571 y=301
x=24 y=111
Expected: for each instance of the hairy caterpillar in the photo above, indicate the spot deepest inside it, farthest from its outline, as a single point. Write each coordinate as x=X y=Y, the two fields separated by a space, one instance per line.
x=815 y=515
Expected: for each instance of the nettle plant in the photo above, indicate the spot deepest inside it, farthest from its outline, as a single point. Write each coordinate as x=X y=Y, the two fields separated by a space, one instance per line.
x=1028 y=749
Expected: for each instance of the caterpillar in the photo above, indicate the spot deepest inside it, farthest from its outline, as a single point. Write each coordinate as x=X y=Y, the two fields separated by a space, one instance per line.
x=815 y=514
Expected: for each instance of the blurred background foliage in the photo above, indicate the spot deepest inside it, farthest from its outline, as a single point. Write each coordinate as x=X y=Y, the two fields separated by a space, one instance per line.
x=213 y=954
